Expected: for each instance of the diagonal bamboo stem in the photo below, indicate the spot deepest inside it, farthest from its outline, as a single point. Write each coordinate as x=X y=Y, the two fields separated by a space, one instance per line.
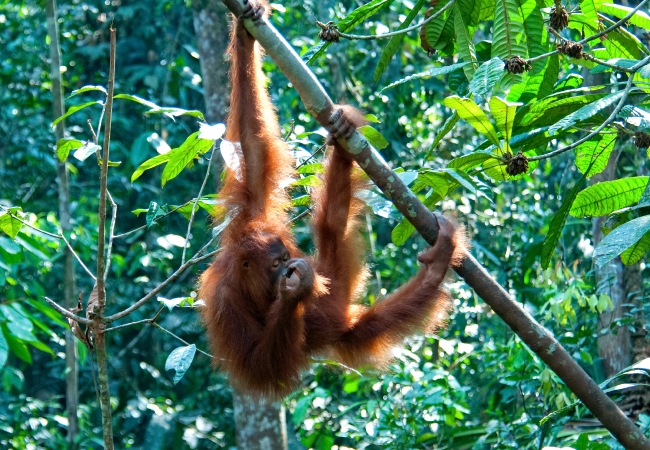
x=540 y=340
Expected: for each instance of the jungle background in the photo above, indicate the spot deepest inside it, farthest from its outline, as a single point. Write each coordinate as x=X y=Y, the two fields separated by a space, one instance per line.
x=475 y=385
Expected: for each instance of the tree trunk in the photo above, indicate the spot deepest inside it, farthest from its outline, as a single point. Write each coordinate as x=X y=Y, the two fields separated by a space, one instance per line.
x=260 y=425
x=614 y=344
x=69 y=282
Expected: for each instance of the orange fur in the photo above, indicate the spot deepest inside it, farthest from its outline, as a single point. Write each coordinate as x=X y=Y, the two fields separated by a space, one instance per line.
x=262 y=332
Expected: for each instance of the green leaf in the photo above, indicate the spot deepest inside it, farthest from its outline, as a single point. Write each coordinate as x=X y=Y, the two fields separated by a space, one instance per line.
x=16 y=346
x=427 y=73
x=154 y=212
x=310 y=180
x=508 y=35
x=4 y=350
x=557 y=223
x=65 y=146
x=402 y=232
x=373 y=136
x=609 y=196
x=548 y=110
x=627 y=63
x=74 y=109
x=352 y=20
x=464 y=41
x=181 y=156
x=503 y=113
x=470 y=161
x=486 y=77
x=622 y=44
x=595 y=152
x=536 y=34
x=585 y=112
x=312 y=168
x=303 y=200
x=151 y=163
x=469 y=111
x=634 y=253
x=9 y=224
x=639 y=19
x=180 y=359
x=440 y=182
x=620 y=239
x=176 y=112
x=446 y=128
x=590 y=10
x=135 y=98
x=395 y=41
x=88 y=89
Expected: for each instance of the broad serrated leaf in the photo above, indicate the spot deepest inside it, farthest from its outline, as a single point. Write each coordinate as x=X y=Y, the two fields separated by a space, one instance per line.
x=557 y=223
x=585 y=112
x=88 y=89
x=9 y=224
x=470 y=161
x=620 y=239
x=446 y=128
x=65 y=146
x=508 y=35
x=469 y=111
x=373 y=136
x=503 y=113
x=636 y=251
x=536 y=34
x=180 y=157
x=151 y=163
x=74 y=109
x=464 y=42
x=402 y=232
x=393 y=44
x=180 y=359
x=427 y=73
x=348 y=23
x=595 y=152
x=639 y=19
x=609 y=196
x=486 y=77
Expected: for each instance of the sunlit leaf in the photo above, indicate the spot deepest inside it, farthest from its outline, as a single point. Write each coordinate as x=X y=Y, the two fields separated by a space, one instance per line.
x=595 y=152
x=179 y=158
x=74 y=109
x=426 y=74
x=65 y=146
x=609 y=196
x=620 y=239
x=585 y=112
x=469 y=111
x=486 y=77
x=374 y=137
x=180 y=359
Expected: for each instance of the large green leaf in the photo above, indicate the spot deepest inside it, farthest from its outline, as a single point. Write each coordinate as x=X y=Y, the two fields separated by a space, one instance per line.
x=470 y=161
x=640 y=18
x=557 y=223
x=536 y=34
x=590 y=9
x=192 y=147
x=402 y=232
x=65 y=146
x=395 y=41
x=620 y=239
x=636 y=251
x=74 y=109
x=622 y=44
x=151 y=163
x=374 y=137
x=446 y=128
x=508 y=35
x=486 y=77
x=609 y=196
x=586 y=112
x=469 y=111
x=503 y=113
x=427 y=73
x=537 y=85
x=464 y=41
x=8 y=222
x=549 y=110
x=435 y=31
x=595 y=152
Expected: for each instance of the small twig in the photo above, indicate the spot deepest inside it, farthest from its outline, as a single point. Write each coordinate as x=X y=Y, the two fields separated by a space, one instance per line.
x=393 y=33
x=67 y=313
x=181 y=339
x=135 y=230
x=320 y=149
x=92 y=131
x=148 y=321
x=92 y=275
x=292 y=126
x=595 y=36
x=300 y=216
x=610 y=119
x=110 y=233
x=196 y=203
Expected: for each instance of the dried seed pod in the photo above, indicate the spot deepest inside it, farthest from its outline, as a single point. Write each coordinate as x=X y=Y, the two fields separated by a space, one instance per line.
x=517 y=164
x=571 y=49
x=329 y=32
x=516 y=64
x=559 y=17
x=641 y=139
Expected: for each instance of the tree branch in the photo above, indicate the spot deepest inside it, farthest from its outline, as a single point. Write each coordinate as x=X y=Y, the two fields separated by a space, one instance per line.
x=532 y=333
